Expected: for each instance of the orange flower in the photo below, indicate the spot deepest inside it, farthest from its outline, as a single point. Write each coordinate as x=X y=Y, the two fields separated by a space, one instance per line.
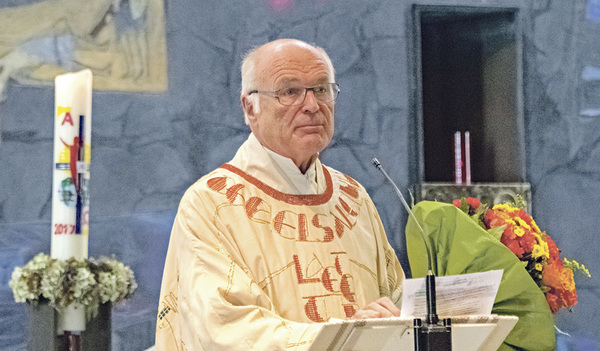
x=560 y=281
x=551 y=276
x=570 y=297
x=552 y=302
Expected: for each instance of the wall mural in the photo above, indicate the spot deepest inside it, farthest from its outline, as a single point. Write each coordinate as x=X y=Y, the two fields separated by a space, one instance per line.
x=121 y=41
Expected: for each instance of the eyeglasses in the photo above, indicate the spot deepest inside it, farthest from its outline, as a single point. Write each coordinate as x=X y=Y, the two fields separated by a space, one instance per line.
x=295 y=95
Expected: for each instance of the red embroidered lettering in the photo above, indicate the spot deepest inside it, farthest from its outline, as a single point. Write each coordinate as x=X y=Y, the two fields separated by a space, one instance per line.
x=226 y=186
x=300 y=275
x=350 y=189
x=349 y=310
x=346 y=289
x=302 y=227
x=348 y=220
x=347 y=209
x=328 y=231
x=338 y=265
x=217 y=184
x=233 y=192
x=255 y=206
x=327 y=279
x=279 y=224
x=311 y=310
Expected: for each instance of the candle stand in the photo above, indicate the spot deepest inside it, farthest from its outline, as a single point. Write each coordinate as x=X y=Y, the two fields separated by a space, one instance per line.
x=42 y=336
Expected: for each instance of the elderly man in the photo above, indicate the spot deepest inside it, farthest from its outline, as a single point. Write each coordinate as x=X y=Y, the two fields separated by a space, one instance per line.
x=272 y=243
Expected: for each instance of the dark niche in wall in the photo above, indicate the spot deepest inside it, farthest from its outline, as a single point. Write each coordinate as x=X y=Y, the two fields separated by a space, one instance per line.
x=468 y=77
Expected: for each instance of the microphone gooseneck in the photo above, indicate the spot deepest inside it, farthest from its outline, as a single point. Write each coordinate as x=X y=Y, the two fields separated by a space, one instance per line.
x=378 y=165
x=430 y=336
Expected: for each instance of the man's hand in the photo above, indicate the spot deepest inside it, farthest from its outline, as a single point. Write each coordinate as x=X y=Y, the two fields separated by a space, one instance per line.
x=380 y=308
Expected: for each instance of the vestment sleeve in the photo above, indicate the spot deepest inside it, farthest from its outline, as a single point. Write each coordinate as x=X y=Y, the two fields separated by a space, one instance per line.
x=217 y=304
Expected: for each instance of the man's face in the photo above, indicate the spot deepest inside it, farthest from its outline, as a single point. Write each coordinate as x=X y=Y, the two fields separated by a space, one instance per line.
x=300 y=131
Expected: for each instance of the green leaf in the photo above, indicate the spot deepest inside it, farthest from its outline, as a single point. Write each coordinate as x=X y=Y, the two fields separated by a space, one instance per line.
x=496 y=232
x=464 y=206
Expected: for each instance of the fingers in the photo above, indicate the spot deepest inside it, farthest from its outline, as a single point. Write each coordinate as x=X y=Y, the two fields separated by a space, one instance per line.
x=389 y=306
x=380 y=308
x=366 y=314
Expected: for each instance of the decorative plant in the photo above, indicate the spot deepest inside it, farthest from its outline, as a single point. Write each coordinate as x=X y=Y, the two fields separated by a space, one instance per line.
x=89 y=283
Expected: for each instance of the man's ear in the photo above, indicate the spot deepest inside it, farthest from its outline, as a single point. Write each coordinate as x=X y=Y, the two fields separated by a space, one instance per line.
x=249 y=107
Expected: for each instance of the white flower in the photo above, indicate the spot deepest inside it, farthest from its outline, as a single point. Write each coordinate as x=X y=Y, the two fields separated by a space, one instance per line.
x=39 y=262
x=61 y=283
x=52 y=281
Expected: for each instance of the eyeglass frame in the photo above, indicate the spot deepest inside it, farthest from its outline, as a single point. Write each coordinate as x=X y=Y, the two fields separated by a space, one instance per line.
x=274 y=93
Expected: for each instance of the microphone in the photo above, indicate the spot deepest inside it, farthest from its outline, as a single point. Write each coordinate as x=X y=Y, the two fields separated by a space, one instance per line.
x=431 y=335
x=410 y=212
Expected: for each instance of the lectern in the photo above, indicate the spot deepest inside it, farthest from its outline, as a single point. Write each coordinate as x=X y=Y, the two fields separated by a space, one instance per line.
x=469 y=333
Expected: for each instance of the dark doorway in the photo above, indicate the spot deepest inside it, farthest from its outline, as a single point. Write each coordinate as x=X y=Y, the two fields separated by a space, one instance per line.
x=469 y=68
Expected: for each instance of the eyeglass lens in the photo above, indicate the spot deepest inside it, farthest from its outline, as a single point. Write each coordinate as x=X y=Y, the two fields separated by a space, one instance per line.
x=297 y=95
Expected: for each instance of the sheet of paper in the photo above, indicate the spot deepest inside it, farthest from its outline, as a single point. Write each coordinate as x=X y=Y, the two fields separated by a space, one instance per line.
x=457 y=295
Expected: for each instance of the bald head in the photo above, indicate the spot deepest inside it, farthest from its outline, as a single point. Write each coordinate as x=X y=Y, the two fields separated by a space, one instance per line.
x=257 y=62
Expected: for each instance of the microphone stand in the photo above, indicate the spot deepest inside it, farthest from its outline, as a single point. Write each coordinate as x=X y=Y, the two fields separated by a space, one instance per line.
x=430 y=334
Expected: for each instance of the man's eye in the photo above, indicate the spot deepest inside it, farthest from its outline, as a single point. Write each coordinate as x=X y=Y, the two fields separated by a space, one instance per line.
x=321 y=89
x=290 y=91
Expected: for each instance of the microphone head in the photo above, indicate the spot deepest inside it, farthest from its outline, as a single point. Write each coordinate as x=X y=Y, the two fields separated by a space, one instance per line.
x=375 y=161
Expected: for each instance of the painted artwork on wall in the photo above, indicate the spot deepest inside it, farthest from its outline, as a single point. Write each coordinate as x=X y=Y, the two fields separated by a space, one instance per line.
x=121 y=41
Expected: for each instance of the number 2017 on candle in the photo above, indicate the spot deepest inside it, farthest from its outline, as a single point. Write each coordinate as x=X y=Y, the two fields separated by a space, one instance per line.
x=64 y=228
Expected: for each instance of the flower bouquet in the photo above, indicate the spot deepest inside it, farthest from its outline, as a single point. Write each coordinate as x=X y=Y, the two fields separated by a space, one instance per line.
x=540 y=256
x=89 y=283
x=461 y=244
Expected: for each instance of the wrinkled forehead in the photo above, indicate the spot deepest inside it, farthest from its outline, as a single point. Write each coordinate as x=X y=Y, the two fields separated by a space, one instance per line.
x=294 y=63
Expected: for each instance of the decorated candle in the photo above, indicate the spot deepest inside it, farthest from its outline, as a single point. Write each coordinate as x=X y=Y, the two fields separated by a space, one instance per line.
x=71 y=177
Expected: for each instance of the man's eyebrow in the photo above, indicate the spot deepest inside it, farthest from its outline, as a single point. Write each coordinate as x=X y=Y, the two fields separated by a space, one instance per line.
x=287 y=81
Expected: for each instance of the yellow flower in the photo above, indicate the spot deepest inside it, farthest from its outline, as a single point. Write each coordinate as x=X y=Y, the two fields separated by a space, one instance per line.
x=519 y=231
x=535 y=226
x=522 y=223
x=503 y=207
x=576 y=267
x=546 y=249
x=539 y=266
x=538 y=251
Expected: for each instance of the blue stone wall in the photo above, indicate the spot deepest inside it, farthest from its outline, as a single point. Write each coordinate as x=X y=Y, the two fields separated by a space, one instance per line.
x=148 y=148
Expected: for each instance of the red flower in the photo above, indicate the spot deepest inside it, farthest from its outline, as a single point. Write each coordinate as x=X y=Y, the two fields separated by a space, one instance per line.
x=514 y=246
x=527 y=242
x=554 y=251
x=525 y=216
x=495 y=218
x=509 y=232
x=472 y=203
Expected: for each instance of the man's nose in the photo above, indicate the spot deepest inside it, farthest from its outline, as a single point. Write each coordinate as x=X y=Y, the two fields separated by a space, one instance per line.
x=310 y=102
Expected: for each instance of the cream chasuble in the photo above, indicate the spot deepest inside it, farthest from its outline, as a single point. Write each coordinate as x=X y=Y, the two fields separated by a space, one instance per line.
x=253 y=266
